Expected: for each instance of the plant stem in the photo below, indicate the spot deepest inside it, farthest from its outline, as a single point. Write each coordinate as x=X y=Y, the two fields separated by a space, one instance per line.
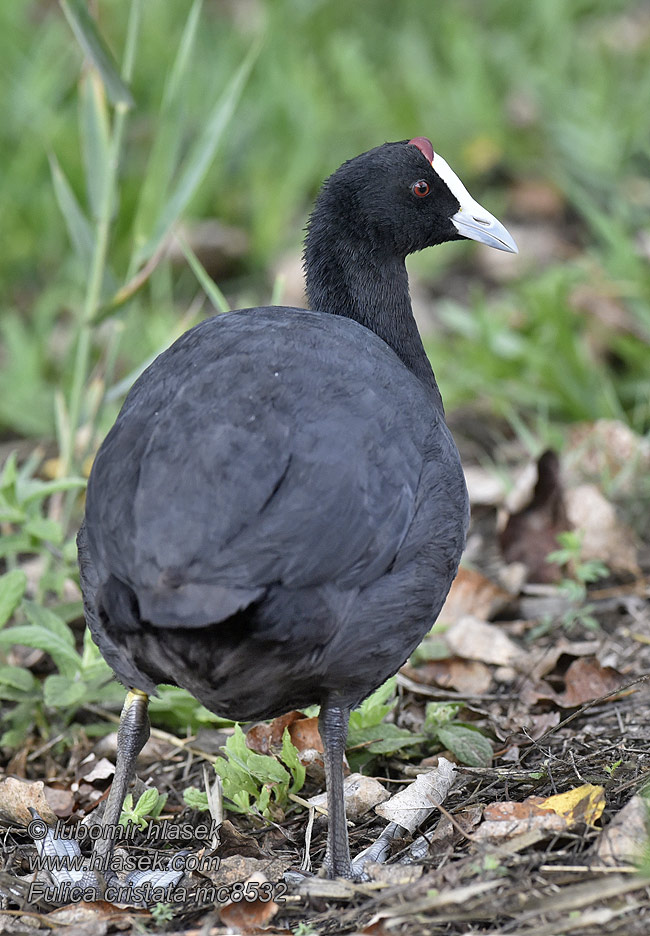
x=98 y=264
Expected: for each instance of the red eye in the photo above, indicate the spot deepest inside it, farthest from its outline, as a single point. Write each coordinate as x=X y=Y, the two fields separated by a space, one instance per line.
x=420 y=188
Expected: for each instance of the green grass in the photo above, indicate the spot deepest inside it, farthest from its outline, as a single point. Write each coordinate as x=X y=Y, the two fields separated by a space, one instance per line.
x=239 y=111
x=543 y=90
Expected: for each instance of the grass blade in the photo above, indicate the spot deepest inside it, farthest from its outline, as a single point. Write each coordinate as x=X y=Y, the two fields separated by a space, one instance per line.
x=77 y=223
x=200 y=157
x=163 y=159
x=95 y=138
x=210 y=288
x=96 y=50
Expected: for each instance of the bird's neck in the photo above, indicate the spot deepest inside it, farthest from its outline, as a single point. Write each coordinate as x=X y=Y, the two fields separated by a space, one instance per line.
x=371 y=290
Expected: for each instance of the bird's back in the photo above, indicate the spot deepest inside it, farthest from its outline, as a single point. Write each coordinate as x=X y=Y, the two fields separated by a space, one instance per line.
x=277 y=478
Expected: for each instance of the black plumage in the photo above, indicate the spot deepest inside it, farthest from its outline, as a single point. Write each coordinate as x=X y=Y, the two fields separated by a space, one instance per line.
x=277 y=515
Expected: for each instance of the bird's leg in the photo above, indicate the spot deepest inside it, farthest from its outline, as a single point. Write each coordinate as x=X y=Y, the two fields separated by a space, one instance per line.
x=333 y=728
x=132 y=735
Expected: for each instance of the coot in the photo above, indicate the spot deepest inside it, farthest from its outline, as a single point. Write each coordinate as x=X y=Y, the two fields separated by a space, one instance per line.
x=278 y=513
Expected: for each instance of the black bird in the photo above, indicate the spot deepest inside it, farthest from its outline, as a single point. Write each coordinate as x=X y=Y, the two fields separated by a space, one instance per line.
x=278 y=513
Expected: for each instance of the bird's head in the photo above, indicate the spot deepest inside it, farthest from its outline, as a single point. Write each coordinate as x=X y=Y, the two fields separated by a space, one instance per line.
x=405 y=197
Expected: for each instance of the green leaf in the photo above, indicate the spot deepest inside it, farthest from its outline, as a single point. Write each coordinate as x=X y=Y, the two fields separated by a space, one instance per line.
x=469 y=746
x=291 y=758
x=39 y=490
x=14 y=543
x=44 y=528
x=383 y=738
x=48 y=620
x=438 y=714
x=47 y=632
x=9 y=471
x=373 y=709
x=96 y=50
x=210 y=288
x=147 y=801
x=78 y=225
x=18 y=677
x=12 y=589
x=15 y=682
x=61 y=692
x=196 y=799
x=201 y=155
x=267 y=769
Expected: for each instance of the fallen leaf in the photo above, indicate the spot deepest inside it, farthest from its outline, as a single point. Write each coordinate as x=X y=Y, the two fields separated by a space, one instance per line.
x=626 y=837
x=237 y=868
x=582 y=804
x=393 y=875
x=543 y=661
x=61 y=801
x=411 y=806
x=530 y=534
x=305 y=735
x=604 y=536
x=608 y=449
x=473 y=639
x=233 y=842
x=361 y=794
x=508 y=819
x=249 y=916
x=586 y=680
x=100 y=769
x=508 y=826
x=261 y=737
x=16 y=796
x=466 y=676
x=472 y=593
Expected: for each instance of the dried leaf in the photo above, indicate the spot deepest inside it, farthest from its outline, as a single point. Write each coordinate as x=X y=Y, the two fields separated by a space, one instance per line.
x=100 y=769
x=582 y=804
x=472 y=593
x=607 y=449
x=586 y=680
x=507 y=820
x=466 y=676
x=475 y=640
x=411 y=806
x=361 y=794
x=604 y=536
x=237 y=868
x=249 y=916
x=531 y=533
x=61 y=801
x=233 y=842
x=16 y=796
x=625 y=838
x=305 y=735
x=262 y=736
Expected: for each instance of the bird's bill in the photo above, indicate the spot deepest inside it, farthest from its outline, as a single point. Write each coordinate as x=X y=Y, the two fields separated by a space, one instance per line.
x=472 y=220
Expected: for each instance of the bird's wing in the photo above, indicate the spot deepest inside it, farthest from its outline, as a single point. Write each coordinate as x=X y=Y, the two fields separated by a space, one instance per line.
x=202 y=503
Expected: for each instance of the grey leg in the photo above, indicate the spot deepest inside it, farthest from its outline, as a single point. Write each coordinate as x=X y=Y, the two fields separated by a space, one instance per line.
x=132 y=736
x=333 y=727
